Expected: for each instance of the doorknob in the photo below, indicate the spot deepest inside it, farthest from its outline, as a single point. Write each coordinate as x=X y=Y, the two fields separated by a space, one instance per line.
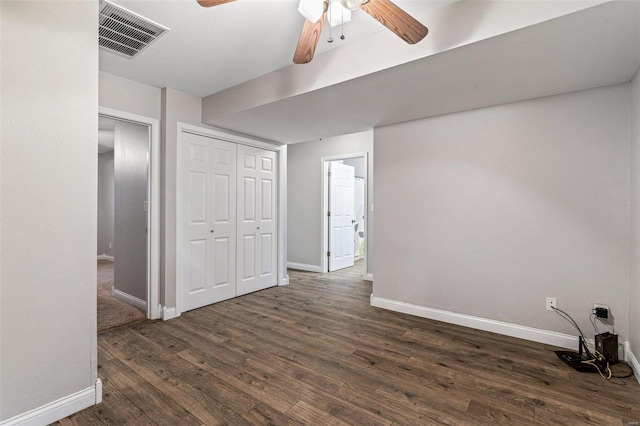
x=353 y=221
x=257 y=227
x=212 y=231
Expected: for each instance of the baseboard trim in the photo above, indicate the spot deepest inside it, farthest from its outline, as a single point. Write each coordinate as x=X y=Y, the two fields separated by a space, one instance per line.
x=632 y=360
x=304 y=267
x=63 y=407
x=368 y=277
x=105 y=257
x=285 y=281
x=132 y=300
x=168 y=313
x=508 y=329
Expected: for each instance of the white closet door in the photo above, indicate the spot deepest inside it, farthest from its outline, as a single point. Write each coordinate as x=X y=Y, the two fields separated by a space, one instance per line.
x=257 y=215
x=208 y=212
x=341 y=220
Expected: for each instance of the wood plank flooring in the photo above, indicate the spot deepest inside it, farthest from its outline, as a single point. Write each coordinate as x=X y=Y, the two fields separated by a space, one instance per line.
x=315 y=352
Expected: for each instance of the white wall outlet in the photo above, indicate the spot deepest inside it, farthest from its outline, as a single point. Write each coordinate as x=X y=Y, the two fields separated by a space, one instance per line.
x=109 y=245
x=551 y=303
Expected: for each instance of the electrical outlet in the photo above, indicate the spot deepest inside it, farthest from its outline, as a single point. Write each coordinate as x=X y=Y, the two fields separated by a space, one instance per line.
x=109 y=245
x=551 y=303
x=600 y=310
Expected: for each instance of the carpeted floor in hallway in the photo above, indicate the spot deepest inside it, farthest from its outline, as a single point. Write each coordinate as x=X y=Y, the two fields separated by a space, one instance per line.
x=113 y=312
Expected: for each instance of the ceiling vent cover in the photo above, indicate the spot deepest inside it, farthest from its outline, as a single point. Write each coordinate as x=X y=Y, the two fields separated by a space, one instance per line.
x=124 y=32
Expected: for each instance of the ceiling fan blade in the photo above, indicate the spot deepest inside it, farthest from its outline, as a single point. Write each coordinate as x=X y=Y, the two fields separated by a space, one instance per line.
x=309 y=39
x=397 y=20
x=210 y=3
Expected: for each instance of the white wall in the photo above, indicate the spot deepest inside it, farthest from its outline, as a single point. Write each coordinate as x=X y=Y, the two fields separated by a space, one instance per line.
x=634 y=279
x=105 y=203
x=304 y=182
x=48 y=181
x=490 y=211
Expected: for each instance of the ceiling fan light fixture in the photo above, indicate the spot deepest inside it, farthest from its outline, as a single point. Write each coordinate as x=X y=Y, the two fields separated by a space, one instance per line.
x=312 y=10
x=338 y=14
x=352 y=4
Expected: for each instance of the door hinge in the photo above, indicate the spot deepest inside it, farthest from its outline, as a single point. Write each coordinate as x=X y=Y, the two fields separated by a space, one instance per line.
x=328 y=254
x=329 y=173
x=328 y=213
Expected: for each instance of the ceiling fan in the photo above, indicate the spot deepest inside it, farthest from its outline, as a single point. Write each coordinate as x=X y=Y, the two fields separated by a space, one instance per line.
x=384 y=11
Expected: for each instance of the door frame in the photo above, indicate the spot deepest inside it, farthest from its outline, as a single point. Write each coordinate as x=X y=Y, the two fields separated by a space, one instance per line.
x=153 y=206
x=281 y=202
x=324 y=205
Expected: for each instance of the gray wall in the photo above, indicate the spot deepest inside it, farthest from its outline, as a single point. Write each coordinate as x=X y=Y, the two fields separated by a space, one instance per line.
x=304 y=183
x=105 y=203
x=129 y=96
x=131 y=150
x=360 y=168
x=634 y=281
x=488 y=212
x=170 y=107
x=176 y=107
x=48 y=171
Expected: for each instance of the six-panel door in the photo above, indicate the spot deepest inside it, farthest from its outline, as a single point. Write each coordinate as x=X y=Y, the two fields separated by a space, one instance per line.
x=208 y=251
x=257 y=218
x=228 y=217
x=341 y=219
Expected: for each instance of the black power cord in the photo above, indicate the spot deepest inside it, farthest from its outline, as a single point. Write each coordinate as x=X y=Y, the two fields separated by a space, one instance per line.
x=568 y=318
x=594 y=360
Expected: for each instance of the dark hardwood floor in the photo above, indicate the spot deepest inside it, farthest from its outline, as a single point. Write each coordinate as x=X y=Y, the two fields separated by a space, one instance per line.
x=315 y=352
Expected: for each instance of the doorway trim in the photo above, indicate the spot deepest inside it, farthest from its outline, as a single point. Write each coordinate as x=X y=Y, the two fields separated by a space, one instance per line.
x=324 y=205
x=153 y=210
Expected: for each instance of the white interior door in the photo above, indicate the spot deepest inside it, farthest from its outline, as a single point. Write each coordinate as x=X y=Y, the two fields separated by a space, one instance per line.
x=341 y=220
x=257 y=215
x=208 y=219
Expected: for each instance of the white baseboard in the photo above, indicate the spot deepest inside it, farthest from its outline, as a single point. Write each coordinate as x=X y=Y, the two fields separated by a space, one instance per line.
x=98 y=391
x=285 y=281
x=132 y=300
x=168 y=313
x=304 y=267
x=508 y=329
x=105 y=257
x=632 y=360
x=368 y=277
x=54 y=411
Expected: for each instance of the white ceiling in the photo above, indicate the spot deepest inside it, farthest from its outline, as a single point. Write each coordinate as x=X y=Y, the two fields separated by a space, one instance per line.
x=211 y=49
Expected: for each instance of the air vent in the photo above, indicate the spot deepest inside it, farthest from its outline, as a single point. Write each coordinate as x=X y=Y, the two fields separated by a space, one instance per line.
x=124 y=32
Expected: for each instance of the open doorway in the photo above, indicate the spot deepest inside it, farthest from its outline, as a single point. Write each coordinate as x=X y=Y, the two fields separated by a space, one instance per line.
x=128 y=219
x=345 y=213
x=123 y=152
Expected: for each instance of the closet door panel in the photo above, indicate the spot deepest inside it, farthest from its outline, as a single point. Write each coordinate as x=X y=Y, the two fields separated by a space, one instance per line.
x=208 y=250
x=257 y=253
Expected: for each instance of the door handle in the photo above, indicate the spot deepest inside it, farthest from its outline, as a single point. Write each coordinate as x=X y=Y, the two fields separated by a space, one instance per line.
x=257 y=227
x=212 y=231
